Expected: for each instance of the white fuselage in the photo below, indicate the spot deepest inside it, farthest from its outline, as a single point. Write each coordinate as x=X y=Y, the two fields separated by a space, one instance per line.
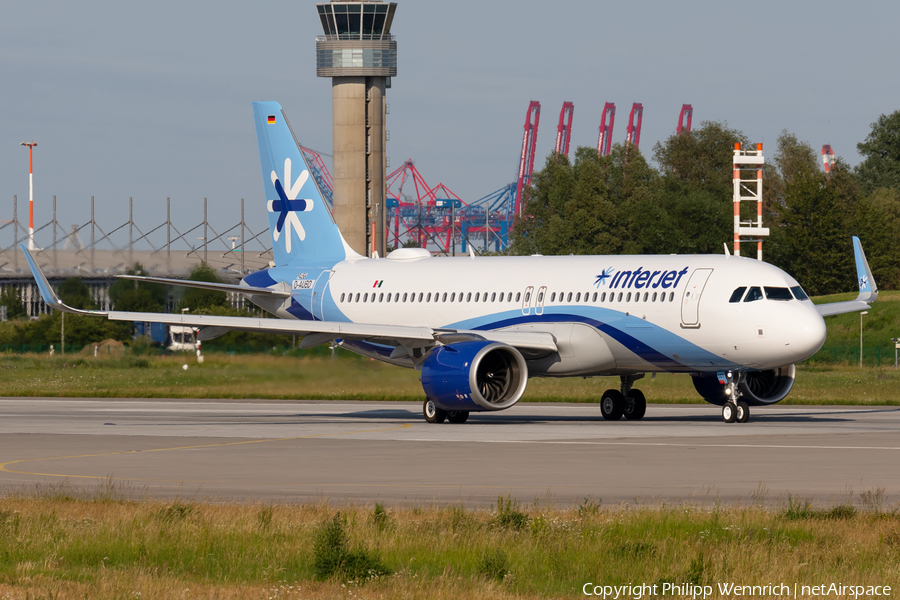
x=608 y=314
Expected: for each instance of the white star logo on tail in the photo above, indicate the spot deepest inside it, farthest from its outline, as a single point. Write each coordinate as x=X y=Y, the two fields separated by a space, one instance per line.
x=288 y=205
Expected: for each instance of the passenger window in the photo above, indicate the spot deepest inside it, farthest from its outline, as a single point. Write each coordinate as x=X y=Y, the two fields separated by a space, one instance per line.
x=428 y=299
x=595 y=297
x=469 y=297
x=620 y=297
x=570 y=297
x=444 y=298
x=421 y=296
x=494 y=297
x=737 y=294
x=799 y=294
x=476 y=296
x=653 y=299
x=357 y=297
x=754 y=294
x=628 y=297
x=646 y=295
x=501 y=297
x=366 y=297
x=484 y=297
x=553 y=297
x=381 y=297
x=527 y=297
x=778 y=293
x=540 y=297
x=342 y=297
x=453 y=297
x=404 y=297
x=518 y=295
x=603 y=297
x=671 y=296
x=578 y=297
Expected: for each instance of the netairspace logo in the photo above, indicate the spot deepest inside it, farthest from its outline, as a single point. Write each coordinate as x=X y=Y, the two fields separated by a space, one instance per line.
x=728 y=590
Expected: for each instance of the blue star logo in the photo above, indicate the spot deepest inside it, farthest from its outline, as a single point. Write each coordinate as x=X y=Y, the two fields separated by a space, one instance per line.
x=285 y=206
x=863 y=282
x=601 y=279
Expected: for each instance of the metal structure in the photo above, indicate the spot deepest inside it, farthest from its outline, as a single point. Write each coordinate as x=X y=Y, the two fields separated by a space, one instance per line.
x=827 y=158
x=526 y=160
x=607 y=120
x=748 y=181
x=359 y=54
x=98 y=252
x=633 y=132
x=564 y=129
x=684 y=118
x=320 y=173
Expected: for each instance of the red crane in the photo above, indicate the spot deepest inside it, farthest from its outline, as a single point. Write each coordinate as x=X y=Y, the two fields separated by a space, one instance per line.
x=684 y=118
x=564 y=129
x=526 y=162
x=606 y=129
x=633 y=134
x=827 y=158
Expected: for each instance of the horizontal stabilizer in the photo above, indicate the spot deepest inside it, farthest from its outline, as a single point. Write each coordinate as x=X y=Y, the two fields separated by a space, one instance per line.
x=217 y=287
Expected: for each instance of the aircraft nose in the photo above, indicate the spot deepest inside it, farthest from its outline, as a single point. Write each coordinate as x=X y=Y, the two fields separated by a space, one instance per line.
x=809 y=333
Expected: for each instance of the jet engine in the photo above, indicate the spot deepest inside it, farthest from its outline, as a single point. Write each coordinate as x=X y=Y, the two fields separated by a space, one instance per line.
x=758 y=387
x=474 y=376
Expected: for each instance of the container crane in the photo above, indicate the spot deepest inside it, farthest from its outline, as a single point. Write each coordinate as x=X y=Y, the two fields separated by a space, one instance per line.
x=633 y=134
x=604 y=142
x=526 y=161
x=564 y=129
x=827 y=158
x=684 y=118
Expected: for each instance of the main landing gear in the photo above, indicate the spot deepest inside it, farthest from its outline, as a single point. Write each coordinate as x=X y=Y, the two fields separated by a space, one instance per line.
x=734 y=410
x=433 y=414
x=630 y=403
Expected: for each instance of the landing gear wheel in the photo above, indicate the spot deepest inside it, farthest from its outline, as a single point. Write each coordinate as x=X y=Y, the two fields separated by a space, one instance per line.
x=457 y=416
x=636 y=406
x=728 y=412
x=612 y=405
x=432 y=413
x=743 y=412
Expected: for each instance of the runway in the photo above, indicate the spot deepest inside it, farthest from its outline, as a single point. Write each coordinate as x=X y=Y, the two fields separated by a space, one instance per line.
x=362 y=452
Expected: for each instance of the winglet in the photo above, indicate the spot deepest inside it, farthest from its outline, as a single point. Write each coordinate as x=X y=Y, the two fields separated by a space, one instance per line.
x=868 y=290
x=47 y=293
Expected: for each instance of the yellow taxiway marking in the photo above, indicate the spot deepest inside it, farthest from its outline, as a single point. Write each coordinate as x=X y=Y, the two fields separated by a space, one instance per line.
x=4 y=466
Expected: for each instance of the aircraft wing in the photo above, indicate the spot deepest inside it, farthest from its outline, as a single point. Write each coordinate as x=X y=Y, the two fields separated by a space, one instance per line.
x=868 y=291
x=313 y=332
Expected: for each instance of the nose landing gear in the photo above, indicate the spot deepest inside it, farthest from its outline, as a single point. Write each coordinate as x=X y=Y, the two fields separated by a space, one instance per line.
x=630 y=403
x=734 y=410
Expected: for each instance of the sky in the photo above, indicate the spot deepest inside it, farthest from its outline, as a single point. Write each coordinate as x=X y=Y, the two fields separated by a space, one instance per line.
x=153 y=100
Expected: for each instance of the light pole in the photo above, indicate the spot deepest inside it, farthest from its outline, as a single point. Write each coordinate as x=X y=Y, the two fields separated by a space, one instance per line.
x=896 y=348
x=865 y=312
x=31 y=146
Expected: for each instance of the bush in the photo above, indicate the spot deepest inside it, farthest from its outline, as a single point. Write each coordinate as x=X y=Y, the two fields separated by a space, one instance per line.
x=333 y=558
x=493 y=564
x=508 y=514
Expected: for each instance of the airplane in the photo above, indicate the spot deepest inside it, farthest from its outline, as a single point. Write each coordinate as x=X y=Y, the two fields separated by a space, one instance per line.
x=477 y=328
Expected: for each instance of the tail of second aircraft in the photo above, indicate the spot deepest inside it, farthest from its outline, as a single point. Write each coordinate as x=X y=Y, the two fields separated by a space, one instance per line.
x=302 y=227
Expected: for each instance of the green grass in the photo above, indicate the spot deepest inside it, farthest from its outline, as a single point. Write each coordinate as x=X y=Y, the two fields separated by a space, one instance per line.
x=56 y=545
x=285 y=377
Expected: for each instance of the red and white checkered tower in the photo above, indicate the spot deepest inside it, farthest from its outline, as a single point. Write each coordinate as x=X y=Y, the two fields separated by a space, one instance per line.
x=748 y=182
x=827 y=158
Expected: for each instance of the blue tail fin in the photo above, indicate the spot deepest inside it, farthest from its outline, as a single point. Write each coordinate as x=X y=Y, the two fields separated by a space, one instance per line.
x=302 y=227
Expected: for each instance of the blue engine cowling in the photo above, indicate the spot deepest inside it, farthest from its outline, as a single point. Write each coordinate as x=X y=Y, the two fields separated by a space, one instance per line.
x=474 y=376
x=758 y=388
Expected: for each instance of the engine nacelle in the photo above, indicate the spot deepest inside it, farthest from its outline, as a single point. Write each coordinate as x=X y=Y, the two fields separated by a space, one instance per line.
x=758 y=387
x=474 y=376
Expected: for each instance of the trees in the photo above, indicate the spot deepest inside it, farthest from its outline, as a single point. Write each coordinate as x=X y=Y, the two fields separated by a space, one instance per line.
x=10 y=298
x=880 y=167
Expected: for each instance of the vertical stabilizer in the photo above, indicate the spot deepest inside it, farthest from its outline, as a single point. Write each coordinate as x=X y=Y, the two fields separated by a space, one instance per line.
x=301 y=224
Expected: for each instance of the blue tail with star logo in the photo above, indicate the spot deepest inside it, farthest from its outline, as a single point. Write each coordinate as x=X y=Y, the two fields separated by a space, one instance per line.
x=302 y=226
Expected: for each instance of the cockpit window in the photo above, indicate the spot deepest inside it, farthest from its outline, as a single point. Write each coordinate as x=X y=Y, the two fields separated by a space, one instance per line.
x=778 y=293
x=799 y=294
x=737 y=294
x=754 y=294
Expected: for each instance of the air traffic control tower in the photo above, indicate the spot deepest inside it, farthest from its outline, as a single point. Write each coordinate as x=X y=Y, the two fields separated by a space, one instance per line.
x=359 y=53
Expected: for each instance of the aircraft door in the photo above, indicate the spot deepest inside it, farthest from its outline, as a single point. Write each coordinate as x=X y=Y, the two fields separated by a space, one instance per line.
x=690 y=302
x=539 y=301
x=526 y=300
x=318 y=296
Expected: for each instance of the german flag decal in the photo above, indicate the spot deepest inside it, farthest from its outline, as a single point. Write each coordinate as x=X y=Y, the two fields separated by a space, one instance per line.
x=271 y=119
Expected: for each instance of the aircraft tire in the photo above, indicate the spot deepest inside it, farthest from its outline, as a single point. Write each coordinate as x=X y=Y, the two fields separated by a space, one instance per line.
x=432 y=413
x=728 y=412
x=612 y=405
x=457 y=416
x=635 y=409
x=743 y=412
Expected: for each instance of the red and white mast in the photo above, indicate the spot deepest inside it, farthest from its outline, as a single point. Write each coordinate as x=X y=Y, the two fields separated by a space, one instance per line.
x=31 y=146
x=607 y=120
